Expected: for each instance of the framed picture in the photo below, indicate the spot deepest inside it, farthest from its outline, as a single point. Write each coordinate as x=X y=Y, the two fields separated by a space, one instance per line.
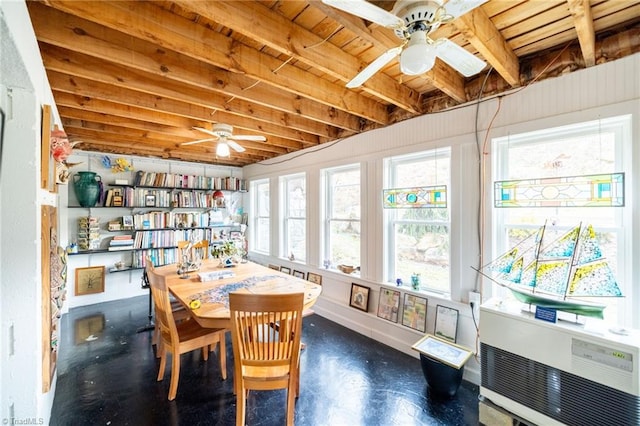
x=149 y=200
x=446 y=323
x=298 y=274
x=285 y=269
x=414 y=312
x=314 y=278
x=89 y=280
x=359 y=297
x=235 y=235
x=276 y=267
x=127 y=222
x=443 y=351
x=389 y=304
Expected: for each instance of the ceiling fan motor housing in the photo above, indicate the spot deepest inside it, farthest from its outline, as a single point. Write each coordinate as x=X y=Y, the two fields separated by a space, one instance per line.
x=418 y=16
x=222 y=130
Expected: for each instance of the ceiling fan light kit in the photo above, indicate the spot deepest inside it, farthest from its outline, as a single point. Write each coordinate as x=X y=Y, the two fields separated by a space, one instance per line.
x=419 y=56
x=222 y=150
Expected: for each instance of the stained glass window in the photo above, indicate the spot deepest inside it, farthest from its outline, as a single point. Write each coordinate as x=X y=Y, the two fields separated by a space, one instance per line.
x=602 y=190
x=412 y=198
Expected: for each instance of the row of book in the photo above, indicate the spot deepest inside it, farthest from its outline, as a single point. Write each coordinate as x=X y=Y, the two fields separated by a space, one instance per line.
x=141 y=197
x=169 y=238
x=177 y=180
x=159 y=257
x=162 y=219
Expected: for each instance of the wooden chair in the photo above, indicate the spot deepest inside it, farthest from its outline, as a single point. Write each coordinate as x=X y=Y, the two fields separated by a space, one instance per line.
x=200 y=250
x=180 y=313
x=264 y=358
x=177 y=338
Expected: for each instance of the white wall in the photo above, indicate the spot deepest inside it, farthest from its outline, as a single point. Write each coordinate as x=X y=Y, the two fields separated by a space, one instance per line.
x=23 y=90
x=609 y=89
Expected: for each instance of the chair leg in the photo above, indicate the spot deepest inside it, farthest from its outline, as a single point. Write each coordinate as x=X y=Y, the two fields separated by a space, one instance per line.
x=205 y=352
x=175 y=376
x=241 y=400
x=222 y=354
x=291 y=400
x=163 y=362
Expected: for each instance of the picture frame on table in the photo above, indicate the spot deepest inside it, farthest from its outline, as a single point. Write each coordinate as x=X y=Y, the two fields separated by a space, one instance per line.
x=446 y=352
x=389 y=304
x=298 y=274
x=150 y=200
x=446 y=323
x=359 y=297
x=89 y=280
x=285 y=269
x=414 y=312
x=314 y=278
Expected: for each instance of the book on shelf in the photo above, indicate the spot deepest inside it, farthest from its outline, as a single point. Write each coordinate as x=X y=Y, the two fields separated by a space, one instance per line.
x=119 y=248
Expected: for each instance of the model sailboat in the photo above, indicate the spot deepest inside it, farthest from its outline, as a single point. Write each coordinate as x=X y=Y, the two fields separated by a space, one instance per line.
x=555 y=274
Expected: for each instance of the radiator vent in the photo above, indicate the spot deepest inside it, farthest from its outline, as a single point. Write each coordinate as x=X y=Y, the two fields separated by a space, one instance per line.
x=562 y=396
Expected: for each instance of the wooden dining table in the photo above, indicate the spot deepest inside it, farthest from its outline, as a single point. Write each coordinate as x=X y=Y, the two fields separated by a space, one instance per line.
x=213 y=292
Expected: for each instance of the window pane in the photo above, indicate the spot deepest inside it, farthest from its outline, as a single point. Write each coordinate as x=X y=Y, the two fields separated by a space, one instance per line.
x=423 y=249
x=345 y=243
x=345 y=194
x=262 y=235
x=296 y=238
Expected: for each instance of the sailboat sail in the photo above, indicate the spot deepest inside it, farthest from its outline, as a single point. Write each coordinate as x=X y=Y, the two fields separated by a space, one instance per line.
x=550 y=275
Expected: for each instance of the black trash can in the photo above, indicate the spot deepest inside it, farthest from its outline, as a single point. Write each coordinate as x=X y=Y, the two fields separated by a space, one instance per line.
x=442 y=379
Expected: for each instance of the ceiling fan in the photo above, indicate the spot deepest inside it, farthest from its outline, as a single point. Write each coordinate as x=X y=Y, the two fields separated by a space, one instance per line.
x=223 y=133
x=413 y=21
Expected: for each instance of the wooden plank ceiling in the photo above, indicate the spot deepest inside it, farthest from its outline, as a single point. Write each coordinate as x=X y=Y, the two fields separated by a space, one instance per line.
x=134 y=78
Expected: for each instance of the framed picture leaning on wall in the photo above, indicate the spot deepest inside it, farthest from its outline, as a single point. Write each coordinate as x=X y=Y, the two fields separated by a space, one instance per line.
x=389 y=304
x=359 y=297
x=414 y=312
x=446 y=323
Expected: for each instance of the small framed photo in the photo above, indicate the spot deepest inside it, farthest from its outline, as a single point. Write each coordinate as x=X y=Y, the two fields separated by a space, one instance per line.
x=285 y=269
x=314 y=278
x=443 y=351
x=414 y=312
x=235 y=235
x=446 y=323
x=298 y=274
x=127 y=222
x=389 y=304
x=89 y=280
x=117 y=201
x=275 y=267
x=359 y=297
x=150 y=200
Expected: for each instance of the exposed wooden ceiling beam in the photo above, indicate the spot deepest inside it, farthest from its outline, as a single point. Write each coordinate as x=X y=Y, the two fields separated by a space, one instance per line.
x=258 y=22
x=485 y=37
x=581 y=12
x=151 y=23
x=227 y=91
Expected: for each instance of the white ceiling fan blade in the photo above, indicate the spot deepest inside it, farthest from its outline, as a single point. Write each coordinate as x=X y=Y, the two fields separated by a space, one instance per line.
x=367 y=11
x=207 y=131
x=458 y=8
x=458 y=58
x=198 y=141
x=256 y=138
x=374 y=67
x=235 y=146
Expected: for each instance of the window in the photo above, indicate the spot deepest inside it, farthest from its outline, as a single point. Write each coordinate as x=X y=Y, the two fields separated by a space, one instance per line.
x=342 y=215
x=260 y=199
x=294 y=216
x=419 y=238
x=575 y=150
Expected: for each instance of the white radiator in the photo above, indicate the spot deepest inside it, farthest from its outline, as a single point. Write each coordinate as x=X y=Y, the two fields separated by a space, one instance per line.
x=558 y=373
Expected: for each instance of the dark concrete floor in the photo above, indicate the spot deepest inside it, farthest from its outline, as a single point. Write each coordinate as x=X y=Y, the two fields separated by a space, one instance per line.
x=107 y=376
